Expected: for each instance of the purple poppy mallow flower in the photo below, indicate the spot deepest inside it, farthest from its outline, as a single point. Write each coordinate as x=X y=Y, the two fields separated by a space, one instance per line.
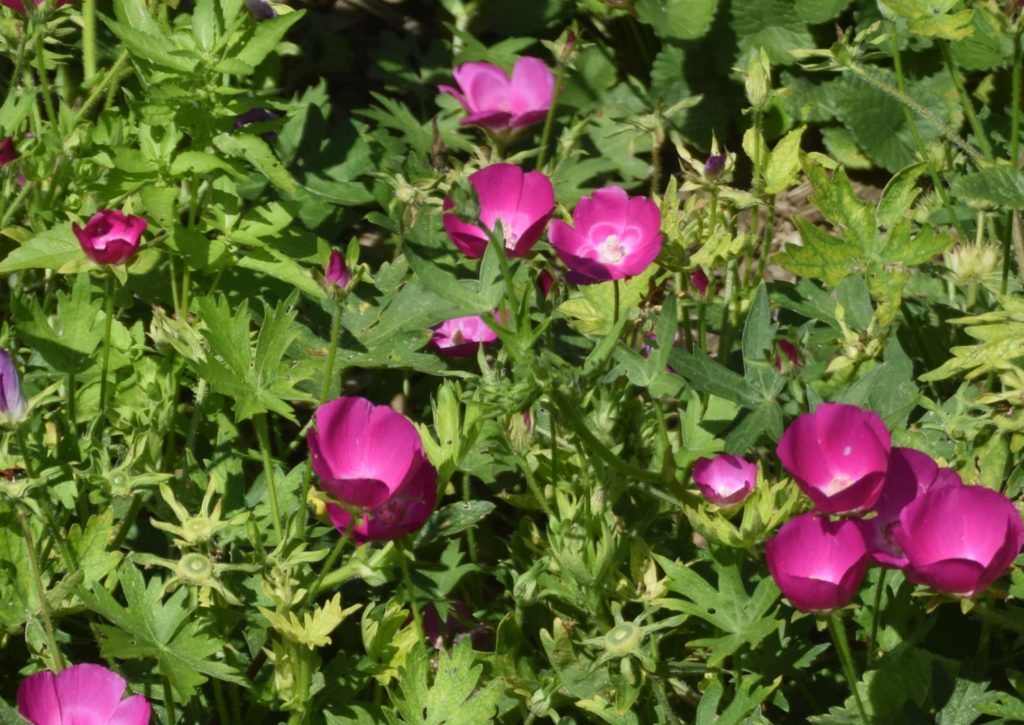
x=462 y=336
x=404 y=512
x=12 y=401
x=959 y=539
x=19 y=6
x=499 y=102
x=8 y=153
x=838 y=455
x=336 y=274
x=364 y=454
x=615 y=236
x=818 y=564
x=910 y=473
x=110 y=236
x=725 y=480
x=261 y=9
x=522 y=201
x=81 y=694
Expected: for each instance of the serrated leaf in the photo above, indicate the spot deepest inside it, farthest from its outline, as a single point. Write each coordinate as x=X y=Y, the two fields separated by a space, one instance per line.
x=453 y=519
x=770 y=24
x=265 y=37
x=709 y=376
x=784 y=163
x=91 y=547
x=1000 y=186
x=52 y=249
x=67 y=340
x=679 y=19
x=256 y=152
x=315 y=628
x=150 y=627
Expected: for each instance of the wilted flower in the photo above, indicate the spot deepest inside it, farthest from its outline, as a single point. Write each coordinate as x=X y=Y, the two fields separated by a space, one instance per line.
x=462 y=336
x=818 y=564
x=838 y=455
x=959 y=539
x=725 y=480
x=12 y=402
x=497 y=102
x=615 y=236
x=910 y=474
x=18 y=6
x=7 y=151
x=522 y=202
x=336 y=274
x=366 y=454
x=81 y=694
x=110 y=237
x=972 y=263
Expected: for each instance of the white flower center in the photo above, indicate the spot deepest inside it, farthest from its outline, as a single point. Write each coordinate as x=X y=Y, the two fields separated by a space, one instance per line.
x=839 y=482
x=611 y=250
x=847 y=451
x=510 y=236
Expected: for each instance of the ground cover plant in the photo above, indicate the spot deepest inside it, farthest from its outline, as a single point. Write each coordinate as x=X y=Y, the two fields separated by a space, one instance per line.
x=460 y=361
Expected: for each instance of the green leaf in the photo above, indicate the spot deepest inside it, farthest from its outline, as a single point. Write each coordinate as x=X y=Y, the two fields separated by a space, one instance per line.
x=8 y=715
x=994 y=186
x=758 y=331
x=52 y=249
x=157 y=49
x=770 y=24
x=256 y=152
x=149 y=627
x=592 y=311
x=90 y=546
x=784 y=163
x=453 y=697
x=453 y=519
x=265 y=37
x=820 y=11
x=66 y=343
x=680 y=19
x=709 y=376
x=200 y=162
x=745 y=618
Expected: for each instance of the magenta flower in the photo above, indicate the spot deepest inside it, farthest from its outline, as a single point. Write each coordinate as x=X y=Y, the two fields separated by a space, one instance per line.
x=7 y=151
x=18 y=6
x=818 y=564
x=84 y=694
x=462 y=336
x=110 y=237
x=725 y=480
x=959 y=539
x=406 y=511
x=615 y=236
x=785 y=347
x=522 y=202
x=838 y=455
x=910 y=474
x=336 y=274
x=366 y=454
x=497 y=102
x=700 y=281
x=12 y=402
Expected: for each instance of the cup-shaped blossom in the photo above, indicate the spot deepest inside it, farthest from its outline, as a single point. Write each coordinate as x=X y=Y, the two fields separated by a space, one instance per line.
x=336 y=274
x=496 y=101
x=19 y=6
x=615 y=236
x=8 y=153
x=838 y=456
x=724 y=479
x=110 y=236
x=404 y=512
x=84 y=693
x=462 y=336
x=12 y=402
x=364 y=454
x=522 y=201
x=818 y=564
x=910 y=473
x=959 y=539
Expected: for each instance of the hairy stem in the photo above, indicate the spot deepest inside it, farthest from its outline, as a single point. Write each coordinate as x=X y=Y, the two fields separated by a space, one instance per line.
x=835 y=628
x=260 y=424
x=56 y=661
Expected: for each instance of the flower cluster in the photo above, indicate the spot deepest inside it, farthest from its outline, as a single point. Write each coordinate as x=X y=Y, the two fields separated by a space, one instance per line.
x=899 y=508
x=370 y=461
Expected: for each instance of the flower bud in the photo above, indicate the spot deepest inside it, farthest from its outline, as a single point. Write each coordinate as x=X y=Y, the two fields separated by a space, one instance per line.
x=758 y=79
x=7 y=151
x=12 y=402
x=336 y=274
x=714 y=166
x=110 y=237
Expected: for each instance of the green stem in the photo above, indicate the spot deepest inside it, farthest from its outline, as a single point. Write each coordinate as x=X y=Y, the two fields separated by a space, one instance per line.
x=72 y=406
x=126 y=523
x=16 y=202
x=875 y=610
x=44 y=80
x=545 y=134
x=260 y=423
x=965 y=99
x=835 y=627
x=57 y=662
x=615 y=286
x=88 y=38
x=332 y=350
x=172 y=716
x=331 y=560
x=105 y=365
x=1014 y=151
x=97 y=93
x=218 y=696
x=417 y=618
x=19 y=433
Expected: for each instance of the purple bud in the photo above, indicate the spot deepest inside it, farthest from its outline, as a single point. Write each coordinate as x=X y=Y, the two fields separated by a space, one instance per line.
x=700 y=281
x=337 y=274
x=258 y=115
x=714 y=166
x=12 y=402
x=261 y=9
x=7 y=151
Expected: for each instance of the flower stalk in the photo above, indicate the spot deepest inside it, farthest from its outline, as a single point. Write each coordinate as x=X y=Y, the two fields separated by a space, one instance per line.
x=835 y=628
